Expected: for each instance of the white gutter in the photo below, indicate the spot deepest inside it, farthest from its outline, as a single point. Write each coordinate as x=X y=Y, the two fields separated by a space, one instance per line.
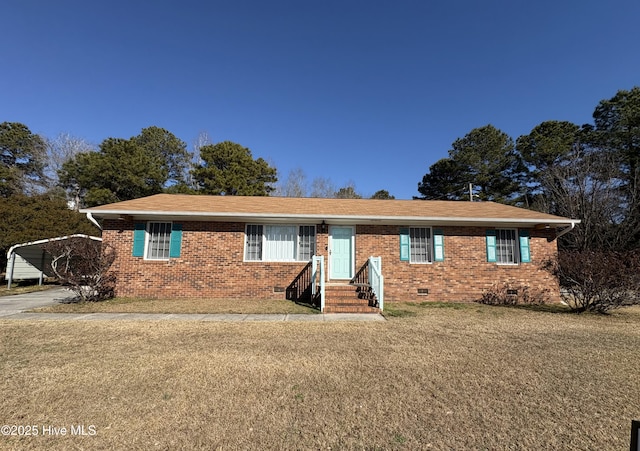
x=92 y=219
x=328 y=217
x=567 y=229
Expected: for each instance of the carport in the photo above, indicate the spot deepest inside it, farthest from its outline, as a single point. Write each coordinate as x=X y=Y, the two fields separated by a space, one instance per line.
x=28 y=261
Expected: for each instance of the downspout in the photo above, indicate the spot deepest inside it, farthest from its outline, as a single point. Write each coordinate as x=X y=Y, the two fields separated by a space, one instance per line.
x=566 y=230
x=93 y=220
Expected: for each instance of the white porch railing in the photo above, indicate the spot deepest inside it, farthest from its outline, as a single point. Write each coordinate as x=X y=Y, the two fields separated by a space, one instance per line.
x=376 y=280
x=317 y=278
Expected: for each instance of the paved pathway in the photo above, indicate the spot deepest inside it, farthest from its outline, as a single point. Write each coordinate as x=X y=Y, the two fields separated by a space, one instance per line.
x=16 y=303
x=225 y=317
x=14 y=306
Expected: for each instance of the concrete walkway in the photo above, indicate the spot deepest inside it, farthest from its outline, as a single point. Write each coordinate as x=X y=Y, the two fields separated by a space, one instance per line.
x=15 y=306
x=223 y=317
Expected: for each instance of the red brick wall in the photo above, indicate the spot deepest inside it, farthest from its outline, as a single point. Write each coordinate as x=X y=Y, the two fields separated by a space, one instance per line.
x=211 y=265
x=463 y=275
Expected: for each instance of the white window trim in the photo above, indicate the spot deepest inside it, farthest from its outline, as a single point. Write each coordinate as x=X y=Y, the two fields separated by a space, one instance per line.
x=264 y=241
x=431 y=245
x=147 y=240
x=516 y=248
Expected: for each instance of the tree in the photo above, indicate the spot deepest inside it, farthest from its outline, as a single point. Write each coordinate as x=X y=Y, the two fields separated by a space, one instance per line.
x=584 y=186
x=83 y=265
x=121 y=170
x=490 y=162
x=444 y=181
x=347 y=192
x=29 y=218
x=170 y=151
x=322 y=187
x=617 y=127
x=295 y=185
x=549 y=145
x=382 y=194
x=203 y=139
x=229 y=169
x=22 y=156
x=484 y=157
x=617 y=131
x=124 y=169
x=61 y=149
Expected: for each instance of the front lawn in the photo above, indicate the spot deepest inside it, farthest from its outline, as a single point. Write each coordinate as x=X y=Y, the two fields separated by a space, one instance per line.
x=476 y=377
x=140 y=305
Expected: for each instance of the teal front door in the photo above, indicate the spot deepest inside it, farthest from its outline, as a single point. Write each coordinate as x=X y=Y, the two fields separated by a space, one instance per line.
x=341 y=253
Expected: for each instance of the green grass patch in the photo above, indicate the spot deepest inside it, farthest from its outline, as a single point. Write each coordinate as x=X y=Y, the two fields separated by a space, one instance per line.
x=394 y=312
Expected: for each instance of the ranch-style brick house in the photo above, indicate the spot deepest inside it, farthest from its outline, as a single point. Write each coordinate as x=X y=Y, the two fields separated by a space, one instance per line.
x=233 y=247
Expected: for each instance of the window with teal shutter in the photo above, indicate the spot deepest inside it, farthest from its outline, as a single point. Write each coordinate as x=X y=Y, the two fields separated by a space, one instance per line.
x=525 y=253
x=438 y=245
x=502 y=246
x=161 y=240
x=404 y=245
x=138 y=239
x=176 y=240
x=491 y=246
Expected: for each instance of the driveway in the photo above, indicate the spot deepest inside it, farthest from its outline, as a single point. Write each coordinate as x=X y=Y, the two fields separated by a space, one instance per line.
x=12 y=304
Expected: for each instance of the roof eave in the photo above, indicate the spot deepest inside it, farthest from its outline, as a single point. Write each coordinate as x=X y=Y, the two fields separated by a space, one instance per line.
x=336 y=219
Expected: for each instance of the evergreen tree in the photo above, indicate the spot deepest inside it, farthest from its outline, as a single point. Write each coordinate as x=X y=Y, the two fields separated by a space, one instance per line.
x=229 y=169
x=30 y=218
x=124 y=169
x=22 y=158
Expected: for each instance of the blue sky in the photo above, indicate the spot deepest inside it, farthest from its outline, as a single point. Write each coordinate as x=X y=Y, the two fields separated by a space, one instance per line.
x=370 y=92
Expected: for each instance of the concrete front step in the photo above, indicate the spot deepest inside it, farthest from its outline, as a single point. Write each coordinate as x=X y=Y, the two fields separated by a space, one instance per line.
x=350 y=308
x=353 y=299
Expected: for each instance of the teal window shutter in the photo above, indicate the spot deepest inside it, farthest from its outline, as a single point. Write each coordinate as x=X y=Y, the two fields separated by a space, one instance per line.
x=491 y=246
x=176 y=240
x=404 y=245
x=438 y=245
x=525 y=253
x=138 y=239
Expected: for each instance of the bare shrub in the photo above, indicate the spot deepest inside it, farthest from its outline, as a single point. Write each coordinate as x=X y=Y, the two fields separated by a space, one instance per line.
x=83 y=265
x=513 y=294
x=598 y=280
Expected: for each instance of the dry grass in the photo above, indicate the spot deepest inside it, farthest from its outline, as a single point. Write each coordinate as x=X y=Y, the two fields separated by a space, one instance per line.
x=23 y=289
x=135 y=305
x=478 y=377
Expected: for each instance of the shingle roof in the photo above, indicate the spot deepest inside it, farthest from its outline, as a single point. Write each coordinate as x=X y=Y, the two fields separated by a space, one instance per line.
x=311 y=209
